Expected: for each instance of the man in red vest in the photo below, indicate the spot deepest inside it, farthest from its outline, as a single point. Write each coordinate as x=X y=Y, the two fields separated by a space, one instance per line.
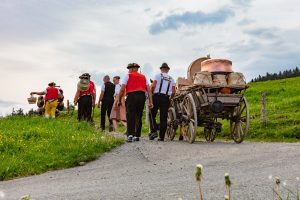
x=86 y=99
x=135 y=84
x=51 y=99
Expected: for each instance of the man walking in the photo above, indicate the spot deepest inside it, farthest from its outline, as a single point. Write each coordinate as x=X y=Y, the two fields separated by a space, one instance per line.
x=85 y=97
x=51 y=99
x=136 y=86
x=106 y=100
x=163 y=87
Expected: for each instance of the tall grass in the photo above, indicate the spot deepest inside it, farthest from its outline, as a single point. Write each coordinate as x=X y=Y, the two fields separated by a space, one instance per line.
x=32 y=145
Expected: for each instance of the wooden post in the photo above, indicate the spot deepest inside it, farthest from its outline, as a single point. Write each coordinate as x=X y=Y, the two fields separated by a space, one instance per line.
x=68 y=106
x=263 y=108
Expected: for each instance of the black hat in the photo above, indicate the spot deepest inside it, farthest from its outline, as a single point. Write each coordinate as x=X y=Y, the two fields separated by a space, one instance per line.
x=85 y=75
x=164 y=65
x=51 y=84
x=132 y=65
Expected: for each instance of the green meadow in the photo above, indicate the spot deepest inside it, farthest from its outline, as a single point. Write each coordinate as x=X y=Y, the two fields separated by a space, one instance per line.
x=33 y=145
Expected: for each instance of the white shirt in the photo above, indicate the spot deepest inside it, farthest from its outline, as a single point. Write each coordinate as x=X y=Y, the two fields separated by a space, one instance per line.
x=166 y=79
x=125 y=80
x=117 y=89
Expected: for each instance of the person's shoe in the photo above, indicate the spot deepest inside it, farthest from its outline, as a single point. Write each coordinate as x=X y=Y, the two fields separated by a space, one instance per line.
x=136 y=139
x=159 y=139
x=129 y=138
x=153 y=136
x=180 y=138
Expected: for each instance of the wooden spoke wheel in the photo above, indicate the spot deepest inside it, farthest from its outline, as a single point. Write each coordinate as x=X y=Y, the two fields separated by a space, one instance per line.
x=239 y=123
x=210 y=133
x=189 y=115
x=171 y=124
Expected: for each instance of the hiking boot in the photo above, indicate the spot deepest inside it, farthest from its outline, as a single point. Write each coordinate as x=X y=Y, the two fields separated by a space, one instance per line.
x=153 y=136
x=136 y=139
x=129 y=138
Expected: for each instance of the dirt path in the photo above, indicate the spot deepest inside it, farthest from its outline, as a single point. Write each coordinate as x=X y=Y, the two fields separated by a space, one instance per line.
x=155 y=170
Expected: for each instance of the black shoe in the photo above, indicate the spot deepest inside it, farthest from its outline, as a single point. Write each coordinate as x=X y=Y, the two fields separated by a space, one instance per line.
x=180 y=138
x=159 y=139
x=153 y=136
x=129 y=138
x=136 y=139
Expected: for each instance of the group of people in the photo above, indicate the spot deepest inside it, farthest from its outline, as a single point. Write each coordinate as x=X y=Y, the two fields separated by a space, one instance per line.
x=122 y=101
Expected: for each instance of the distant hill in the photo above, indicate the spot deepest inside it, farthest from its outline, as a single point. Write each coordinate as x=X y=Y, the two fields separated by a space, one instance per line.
x=283 y=109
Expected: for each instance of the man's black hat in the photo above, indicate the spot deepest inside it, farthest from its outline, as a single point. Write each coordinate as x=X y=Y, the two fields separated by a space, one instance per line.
x=85 y=75
x=165 y=65
x=132 y=65
x=51 y=84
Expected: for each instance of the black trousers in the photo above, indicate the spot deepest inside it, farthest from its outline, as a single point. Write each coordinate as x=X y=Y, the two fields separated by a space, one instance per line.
x=106 y=107
x=135 y=103
x=161 y=102
x=85 y=107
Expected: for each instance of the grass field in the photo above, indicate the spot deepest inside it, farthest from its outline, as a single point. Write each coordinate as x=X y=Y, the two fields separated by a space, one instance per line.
x=32 y=145
x=283 y=111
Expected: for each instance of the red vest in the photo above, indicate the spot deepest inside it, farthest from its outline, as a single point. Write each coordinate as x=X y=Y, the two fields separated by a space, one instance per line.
x=136 y=82
x=90 y=91
x=52 y=94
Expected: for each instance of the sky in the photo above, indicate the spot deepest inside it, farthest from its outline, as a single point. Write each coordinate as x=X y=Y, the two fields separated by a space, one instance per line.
x=56 y=40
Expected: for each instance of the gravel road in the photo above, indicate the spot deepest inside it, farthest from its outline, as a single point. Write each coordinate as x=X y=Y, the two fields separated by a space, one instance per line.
x=165 y=170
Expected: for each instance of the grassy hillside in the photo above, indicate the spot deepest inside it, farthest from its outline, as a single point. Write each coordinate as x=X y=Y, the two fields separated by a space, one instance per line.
x=32 y=145
x=283 y=110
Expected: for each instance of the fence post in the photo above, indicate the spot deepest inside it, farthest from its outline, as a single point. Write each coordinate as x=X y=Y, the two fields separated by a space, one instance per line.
x=263 y=108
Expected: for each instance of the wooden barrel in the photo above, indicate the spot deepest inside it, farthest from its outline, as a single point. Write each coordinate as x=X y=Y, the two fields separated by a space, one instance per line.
x=216 y=65
x=203 y=78
x=236 y=78
x=195 y=67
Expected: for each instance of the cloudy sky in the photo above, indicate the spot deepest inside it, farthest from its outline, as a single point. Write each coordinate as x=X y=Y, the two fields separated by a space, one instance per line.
x=56 y=40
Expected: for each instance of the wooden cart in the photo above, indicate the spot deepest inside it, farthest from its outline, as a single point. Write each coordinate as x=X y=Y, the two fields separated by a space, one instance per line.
x=203 y=106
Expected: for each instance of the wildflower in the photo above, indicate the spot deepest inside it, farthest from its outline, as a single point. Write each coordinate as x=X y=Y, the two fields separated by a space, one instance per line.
x=198 y=174
x=226 y=197
x=227 y=180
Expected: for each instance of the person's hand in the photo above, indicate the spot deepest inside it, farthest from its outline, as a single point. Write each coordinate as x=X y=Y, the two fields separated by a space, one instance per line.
x=94 y=104
x=150 y=105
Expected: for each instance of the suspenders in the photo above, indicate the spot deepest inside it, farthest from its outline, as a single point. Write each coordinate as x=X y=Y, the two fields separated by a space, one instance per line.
x=161 y=83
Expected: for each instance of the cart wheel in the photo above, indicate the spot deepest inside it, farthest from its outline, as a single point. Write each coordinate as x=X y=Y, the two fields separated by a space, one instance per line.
x=190 y=123
x=239 y=124
x=172 y=127
x=210 y=133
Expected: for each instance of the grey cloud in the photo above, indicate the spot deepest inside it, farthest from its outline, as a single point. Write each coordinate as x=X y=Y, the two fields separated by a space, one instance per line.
x=265 y=33
x=4 y=103
x=245 y=22
x=242 y=2
x=173 y=22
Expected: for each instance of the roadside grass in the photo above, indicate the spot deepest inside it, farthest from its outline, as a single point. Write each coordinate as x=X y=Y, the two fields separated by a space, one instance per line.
x=33 y=145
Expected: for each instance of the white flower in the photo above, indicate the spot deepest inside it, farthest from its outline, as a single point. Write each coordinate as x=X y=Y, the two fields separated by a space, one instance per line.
x=297 y=179
x=199 y=166
x=102 y=138
x=2 y=195
x=226 y=197
x=226 y=175
x=270 y=177
x=284 y=183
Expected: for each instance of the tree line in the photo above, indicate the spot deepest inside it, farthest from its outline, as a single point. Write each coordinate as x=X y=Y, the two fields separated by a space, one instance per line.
x=276 y=76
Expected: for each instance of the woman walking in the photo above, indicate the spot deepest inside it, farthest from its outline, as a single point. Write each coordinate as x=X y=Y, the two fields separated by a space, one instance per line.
x=118 y=113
